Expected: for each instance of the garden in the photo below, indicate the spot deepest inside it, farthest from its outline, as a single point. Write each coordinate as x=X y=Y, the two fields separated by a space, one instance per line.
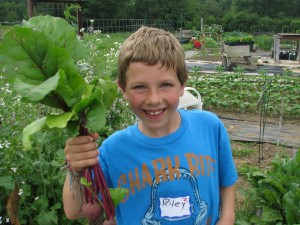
x=31 y=180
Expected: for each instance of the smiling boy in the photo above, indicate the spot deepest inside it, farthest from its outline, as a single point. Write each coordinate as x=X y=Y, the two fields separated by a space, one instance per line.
x=176 y=164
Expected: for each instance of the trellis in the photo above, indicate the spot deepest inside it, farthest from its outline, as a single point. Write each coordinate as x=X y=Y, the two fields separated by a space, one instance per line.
x=54 y=8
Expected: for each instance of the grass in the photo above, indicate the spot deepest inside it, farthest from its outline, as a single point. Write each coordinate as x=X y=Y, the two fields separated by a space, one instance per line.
x=242 y=153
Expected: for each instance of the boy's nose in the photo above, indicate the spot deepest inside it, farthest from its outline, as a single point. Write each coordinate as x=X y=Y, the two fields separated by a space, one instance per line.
x=153 y=97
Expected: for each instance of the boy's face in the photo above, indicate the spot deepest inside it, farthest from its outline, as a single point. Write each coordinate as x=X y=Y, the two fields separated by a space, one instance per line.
x=153 y=93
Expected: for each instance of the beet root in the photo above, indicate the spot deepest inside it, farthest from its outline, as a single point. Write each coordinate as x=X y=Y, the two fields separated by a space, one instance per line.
x=109 y=222
x=92 y=211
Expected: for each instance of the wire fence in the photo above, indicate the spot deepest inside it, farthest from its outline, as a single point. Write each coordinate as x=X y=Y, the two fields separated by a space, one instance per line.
x=124 y=25
x=131 y=25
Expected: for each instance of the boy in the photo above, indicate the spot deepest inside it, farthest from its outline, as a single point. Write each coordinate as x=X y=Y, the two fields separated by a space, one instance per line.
x=176 y=164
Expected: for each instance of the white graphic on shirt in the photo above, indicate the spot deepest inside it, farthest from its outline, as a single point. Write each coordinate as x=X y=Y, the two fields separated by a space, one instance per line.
x=175 y=207
x=196 y=208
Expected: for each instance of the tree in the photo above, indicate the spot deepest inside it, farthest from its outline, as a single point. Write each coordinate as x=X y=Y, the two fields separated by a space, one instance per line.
x=13 y=11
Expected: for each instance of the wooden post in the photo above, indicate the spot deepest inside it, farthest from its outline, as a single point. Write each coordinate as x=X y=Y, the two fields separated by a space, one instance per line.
x=280 y=121
x=79 y=21
x=276 y=48
x=30 y=8
x=298 y=50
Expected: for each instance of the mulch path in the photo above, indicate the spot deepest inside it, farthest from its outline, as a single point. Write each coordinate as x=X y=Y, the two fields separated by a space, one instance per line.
x=247 y=127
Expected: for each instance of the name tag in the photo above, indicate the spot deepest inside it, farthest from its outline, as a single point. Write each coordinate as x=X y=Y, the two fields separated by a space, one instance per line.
x=175 y=208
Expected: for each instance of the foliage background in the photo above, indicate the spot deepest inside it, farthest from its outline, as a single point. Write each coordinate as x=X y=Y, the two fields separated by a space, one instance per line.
x=263 y=15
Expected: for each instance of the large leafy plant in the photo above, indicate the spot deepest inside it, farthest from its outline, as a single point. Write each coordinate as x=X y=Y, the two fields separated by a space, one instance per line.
x=276 y=193
x=40 y=61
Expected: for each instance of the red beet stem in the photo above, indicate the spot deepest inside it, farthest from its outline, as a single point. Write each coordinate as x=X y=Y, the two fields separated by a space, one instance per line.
x=99 y=185
x=107 y=200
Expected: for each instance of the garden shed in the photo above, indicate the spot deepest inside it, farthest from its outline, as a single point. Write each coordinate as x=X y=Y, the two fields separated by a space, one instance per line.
x=285 y=36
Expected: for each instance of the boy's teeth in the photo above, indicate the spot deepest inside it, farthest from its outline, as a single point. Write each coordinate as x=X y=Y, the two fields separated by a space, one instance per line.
x=154 y=113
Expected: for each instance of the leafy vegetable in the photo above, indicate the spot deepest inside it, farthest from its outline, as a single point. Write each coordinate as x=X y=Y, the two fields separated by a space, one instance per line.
x=40 y=60
x=277 y=192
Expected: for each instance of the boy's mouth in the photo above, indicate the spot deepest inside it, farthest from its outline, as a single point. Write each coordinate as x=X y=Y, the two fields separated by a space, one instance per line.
x=154 y=113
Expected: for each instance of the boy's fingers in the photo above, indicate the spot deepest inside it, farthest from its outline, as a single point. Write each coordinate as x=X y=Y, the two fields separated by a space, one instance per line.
x=78 y=165
x=95 y=136
x=81 y=155
x=84 y=147
x=82 y=151
x=78 y=140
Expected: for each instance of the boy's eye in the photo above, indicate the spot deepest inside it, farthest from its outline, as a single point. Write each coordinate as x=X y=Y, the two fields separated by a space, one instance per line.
x=139 y=87
x=166 y=85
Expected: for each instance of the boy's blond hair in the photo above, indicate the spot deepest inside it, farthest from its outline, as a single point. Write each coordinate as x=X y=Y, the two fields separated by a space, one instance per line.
x=151 y=46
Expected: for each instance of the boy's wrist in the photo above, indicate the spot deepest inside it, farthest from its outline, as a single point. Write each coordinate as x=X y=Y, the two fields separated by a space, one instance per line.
x=226 y=219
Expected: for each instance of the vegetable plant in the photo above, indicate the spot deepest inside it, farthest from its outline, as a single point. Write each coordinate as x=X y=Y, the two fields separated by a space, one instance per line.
x=40 y=60
x=276 y=192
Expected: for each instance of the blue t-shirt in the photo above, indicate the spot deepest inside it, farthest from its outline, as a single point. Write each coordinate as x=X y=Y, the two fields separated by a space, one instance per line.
x=174 y=179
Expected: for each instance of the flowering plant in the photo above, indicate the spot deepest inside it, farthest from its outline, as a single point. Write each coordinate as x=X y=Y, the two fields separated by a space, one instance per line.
x=197 y=44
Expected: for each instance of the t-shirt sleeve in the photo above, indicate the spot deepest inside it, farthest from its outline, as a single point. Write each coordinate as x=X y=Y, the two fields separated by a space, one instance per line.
x=227 y=170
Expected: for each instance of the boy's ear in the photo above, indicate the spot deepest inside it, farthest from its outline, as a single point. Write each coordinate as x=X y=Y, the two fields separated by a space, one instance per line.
x=182 y=90
x=122 y=90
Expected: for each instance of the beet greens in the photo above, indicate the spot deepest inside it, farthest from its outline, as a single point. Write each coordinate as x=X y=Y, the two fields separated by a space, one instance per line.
x=40 y=60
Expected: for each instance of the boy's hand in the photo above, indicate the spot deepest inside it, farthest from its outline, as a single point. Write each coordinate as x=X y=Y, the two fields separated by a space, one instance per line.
x=82 y=151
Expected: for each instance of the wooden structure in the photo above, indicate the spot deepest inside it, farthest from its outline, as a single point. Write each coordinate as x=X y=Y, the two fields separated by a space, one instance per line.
x=31 y=4
x=285 y=36
x=231 y=53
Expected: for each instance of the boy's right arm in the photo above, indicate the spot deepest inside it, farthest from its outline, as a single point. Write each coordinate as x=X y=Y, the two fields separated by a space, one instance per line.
x=80 y=152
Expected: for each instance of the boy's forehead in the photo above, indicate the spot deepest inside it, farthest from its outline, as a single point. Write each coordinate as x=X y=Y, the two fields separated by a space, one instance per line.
x=142 y=65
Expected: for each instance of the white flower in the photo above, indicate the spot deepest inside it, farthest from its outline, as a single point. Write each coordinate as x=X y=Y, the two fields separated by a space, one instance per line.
x=36 y=198
x=14 y=169
x=20 y=192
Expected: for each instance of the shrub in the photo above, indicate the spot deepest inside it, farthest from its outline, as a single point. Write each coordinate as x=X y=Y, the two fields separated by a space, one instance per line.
x=264 y=42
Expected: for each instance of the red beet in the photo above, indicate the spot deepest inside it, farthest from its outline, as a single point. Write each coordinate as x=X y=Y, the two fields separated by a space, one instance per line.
x=110 y=222
x=92 y=211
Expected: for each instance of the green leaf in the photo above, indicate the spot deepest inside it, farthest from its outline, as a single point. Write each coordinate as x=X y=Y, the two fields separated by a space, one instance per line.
x=23 y=51
x=84 y=182
x=110 y=91
x=36 y=92
x=88 y=98
x=96 y=117
x=292 y=207
x=47 y=218
x=41 y=203
x=58 y=121
x=117 y=194
x=7 y=182
x=270 y=215
x=62 y=34
x=31 y=129
x=33 y=57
